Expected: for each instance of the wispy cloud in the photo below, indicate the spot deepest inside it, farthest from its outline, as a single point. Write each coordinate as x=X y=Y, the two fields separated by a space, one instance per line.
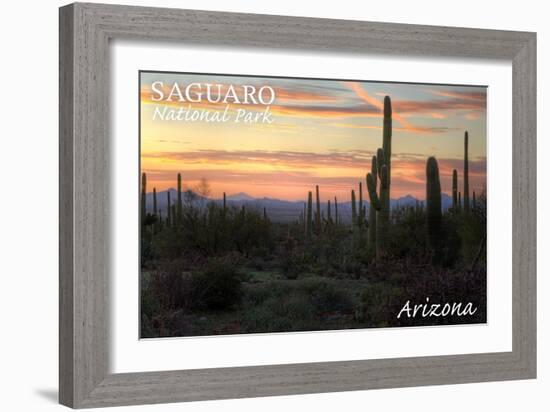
x=410 y=129
x=303 y=160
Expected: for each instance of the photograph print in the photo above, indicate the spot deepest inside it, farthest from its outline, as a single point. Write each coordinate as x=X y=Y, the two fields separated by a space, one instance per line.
x=273 y=204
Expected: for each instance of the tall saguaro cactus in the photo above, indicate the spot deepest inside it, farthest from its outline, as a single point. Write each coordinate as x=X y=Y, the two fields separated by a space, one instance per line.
x=179 y=207
x=143 y=196
x=318 y=211
x=466 y=193
x=336 y=210
x=309 y=218
x=353 y=210
x=168 y=210
x=381 y=201
x=329 y=216
x=360 y=218
x=433 y=204
x=455 y=189
x=155 y=201
x=387 y=133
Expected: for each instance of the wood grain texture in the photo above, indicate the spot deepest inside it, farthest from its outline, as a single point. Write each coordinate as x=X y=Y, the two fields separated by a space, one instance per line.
x=85 y=31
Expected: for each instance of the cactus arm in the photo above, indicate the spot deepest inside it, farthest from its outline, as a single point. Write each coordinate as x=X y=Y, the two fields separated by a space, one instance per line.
x=373 y=196
x=466 y=194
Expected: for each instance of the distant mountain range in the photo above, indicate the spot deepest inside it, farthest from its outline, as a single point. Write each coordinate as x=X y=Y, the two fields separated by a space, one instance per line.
x=240 y=197
x=278 y=210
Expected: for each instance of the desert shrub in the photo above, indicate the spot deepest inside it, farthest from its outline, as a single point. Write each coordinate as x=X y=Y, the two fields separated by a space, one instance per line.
x=258 y=293
x=452 y=245
x=176 y=285
x=167 y=244
x=380 y=304
x=257 y=263
x=163 y=288
x=471 y=231
x=216 y=286
x=407 y=237
x=325 y=295
x=149 y=304
x=293 y=265
x=293 y=306
x=329 y=298
x=290 y=312
x=353 y=266
x=146 y=252
x=146 y=327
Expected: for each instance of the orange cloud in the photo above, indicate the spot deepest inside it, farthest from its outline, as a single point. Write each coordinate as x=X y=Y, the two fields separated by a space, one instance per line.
x=467 y=95
x=362 y=93
x=411 y=129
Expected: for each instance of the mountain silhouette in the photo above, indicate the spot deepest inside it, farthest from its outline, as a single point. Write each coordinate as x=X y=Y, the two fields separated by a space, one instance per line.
x=283 y=211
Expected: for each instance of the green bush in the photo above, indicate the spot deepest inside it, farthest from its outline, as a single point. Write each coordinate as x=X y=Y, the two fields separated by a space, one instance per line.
x=217 y=286
x=380 y=304
x=329 y=298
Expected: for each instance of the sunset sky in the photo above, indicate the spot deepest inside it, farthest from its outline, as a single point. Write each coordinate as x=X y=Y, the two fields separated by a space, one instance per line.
x=324 y=132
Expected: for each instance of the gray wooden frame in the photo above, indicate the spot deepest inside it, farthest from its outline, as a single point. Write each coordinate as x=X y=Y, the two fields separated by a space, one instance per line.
x=85 y=31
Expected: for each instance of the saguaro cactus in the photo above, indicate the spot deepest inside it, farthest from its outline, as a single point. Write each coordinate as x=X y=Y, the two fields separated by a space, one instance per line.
x=179 y=213
x=318 y=211
x=433 y=204
x=353 y=210
x=360 y=217
x=372 y=210
x=155 y=201
x=329 y=217
x=143 y=196
x=335 y=210
x=466 y=193
x=381 y=201
x=455 y=189
x=224 y=202
x=382 y=205
x=387 y=133
x=309 y=219
x=168 y=210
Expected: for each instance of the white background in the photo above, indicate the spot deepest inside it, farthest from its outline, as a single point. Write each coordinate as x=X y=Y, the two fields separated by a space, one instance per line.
x=28 y=169
x=132 y=355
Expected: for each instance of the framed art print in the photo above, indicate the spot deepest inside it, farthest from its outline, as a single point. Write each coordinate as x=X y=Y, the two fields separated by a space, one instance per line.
x=244 y=196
